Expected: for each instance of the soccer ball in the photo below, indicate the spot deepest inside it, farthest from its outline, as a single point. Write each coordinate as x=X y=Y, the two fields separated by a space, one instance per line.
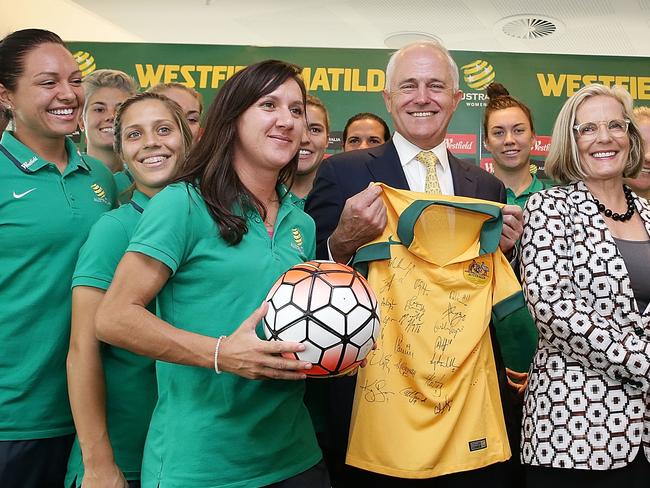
x=331 y=309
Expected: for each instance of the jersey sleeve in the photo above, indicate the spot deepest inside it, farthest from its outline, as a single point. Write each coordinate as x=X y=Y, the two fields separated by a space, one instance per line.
x=507 y=296
x=164 y=232
x=514 y=329
x=101 y=253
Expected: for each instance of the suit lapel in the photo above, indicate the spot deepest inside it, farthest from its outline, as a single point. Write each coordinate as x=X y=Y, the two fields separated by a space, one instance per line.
x=385 y=166
x=605 y=247
x=464 y=184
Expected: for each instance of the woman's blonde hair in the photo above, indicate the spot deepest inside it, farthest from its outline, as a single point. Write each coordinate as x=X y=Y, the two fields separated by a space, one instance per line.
x=162 y=87
x=563 y=161
x=641 y=113
x=107 y=78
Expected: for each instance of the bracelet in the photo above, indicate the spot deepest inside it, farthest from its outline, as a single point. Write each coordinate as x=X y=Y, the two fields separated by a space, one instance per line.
x=216 y=355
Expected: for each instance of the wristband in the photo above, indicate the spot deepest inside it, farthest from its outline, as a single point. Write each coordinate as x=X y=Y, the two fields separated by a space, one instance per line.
x=216 y=355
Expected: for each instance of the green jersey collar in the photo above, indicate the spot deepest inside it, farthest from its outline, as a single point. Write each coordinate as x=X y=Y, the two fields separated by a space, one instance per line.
x=490 y=231
x=29 y=162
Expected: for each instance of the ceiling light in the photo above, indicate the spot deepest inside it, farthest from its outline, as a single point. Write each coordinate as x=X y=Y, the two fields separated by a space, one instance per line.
x=397 y=40
x=530 y=26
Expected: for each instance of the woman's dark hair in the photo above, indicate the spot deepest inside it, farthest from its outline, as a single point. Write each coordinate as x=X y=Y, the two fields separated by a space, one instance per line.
x=364 y=116
x=209 y=165
x=5 y=117
x=501 y=99
x=13 y=49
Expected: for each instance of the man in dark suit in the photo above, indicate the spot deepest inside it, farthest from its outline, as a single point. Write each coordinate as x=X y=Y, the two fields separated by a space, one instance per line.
x=421 y=96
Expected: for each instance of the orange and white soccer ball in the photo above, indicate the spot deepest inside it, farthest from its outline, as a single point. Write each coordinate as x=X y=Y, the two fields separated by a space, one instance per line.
x=331 y=309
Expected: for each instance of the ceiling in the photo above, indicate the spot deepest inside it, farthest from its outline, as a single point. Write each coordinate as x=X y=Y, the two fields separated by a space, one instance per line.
x=607 y=27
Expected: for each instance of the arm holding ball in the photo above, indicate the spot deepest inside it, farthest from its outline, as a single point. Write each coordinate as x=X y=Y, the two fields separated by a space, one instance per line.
x=123 y=320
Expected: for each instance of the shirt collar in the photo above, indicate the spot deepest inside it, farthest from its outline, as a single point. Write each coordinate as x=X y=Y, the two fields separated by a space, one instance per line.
x=29 y=162
x=140 y=199
x=407 y=151
x=534 y=187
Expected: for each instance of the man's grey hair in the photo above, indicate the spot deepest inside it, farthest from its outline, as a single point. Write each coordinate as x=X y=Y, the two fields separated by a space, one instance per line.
x=433 y=44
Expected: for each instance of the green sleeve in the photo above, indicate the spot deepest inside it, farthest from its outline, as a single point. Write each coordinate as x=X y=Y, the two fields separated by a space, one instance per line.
x=101 y=253
x=164 y=232
x=517 y=337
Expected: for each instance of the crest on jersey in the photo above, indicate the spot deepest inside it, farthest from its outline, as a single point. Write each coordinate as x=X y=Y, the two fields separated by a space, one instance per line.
x=477 y=272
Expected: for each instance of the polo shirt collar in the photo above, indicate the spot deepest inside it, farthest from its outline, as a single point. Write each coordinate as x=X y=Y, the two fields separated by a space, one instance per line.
x=140 y=199
x=534 y=187
x=283 y=192
x=29 y=162
x=407 y=151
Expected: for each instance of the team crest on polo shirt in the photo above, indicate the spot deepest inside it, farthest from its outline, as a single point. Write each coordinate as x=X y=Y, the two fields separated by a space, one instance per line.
x=100 y=194
x=477 y=272
x=297 y=239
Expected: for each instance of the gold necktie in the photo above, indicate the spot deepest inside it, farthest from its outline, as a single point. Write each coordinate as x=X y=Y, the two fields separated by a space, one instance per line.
x=431 y=183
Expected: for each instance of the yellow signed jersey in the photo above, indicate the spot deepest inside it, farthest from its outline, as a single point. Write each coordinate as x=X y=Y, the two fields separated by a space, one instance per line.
x=427 y=403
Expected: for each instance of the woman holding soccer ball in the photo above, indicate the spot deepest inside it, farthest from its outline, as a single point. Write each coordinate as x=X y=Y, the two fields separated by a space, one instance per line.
x=210 y=247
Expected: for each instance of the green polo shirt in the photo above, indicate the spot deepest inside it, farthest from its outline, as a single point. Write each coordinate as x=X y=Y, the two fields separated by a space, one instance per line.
x=131 y=392
x=44 y=219
x=211 y=430
x=297 y=201
x=517 y=332
x=123 y=181
x=521 y=199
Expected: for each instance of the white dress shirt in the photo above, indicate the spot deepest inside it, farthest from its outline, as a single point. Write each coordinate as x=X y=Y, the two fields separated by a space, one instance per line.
x=416 y=172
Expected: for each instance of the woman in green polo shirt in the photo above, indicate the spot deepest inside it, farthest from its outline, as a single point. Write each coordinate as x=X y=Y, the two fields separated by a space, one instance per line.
x=230 y=409
x=105 y=90
x=50 y=196
x=113 y=391
x=509 y=135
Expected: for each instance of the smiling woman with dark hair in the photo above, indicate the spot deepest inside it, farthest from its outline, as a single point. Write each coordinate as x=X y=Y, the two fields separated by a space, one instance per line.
x=50 y=198
x=210 y=247
x=364 y=130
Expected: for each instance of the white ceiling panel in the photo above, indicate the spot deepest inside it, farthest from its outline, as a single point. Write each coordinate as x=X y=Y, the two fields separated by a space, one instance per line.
x=608 y=27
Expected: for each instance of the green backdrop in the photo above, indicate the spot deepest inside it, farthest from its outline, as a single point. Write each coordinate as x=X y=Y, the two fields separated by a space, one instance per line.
x=350 y=80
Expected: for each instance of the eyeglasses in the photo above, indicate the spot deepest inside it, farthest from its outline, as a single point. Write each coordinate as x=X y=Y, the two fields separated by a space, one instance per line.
x=589 y=130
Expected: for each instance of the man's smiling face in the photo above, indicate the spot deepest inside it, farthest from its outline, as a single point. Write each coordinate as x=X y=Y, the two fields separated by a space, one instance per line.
x=421 y=98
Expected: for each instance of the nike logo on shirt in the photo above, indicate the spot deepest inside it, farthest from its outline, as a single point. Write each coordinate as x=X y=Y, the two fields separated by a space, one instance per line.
x=21 y=195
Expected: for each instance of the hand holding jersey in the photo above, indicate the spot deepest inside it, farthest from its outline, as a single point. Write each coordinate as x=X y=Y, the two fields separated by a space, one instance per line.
x=363 y=218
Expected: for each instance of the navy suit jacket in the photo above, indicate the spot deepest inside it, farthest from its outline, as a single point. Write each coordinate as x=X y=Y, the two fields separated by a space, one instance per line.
x=344 y=175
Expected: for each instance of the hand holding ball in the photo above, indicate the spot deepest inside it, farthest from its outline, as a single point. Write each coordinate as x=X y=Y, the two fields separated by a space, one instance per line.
x=330 y=308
